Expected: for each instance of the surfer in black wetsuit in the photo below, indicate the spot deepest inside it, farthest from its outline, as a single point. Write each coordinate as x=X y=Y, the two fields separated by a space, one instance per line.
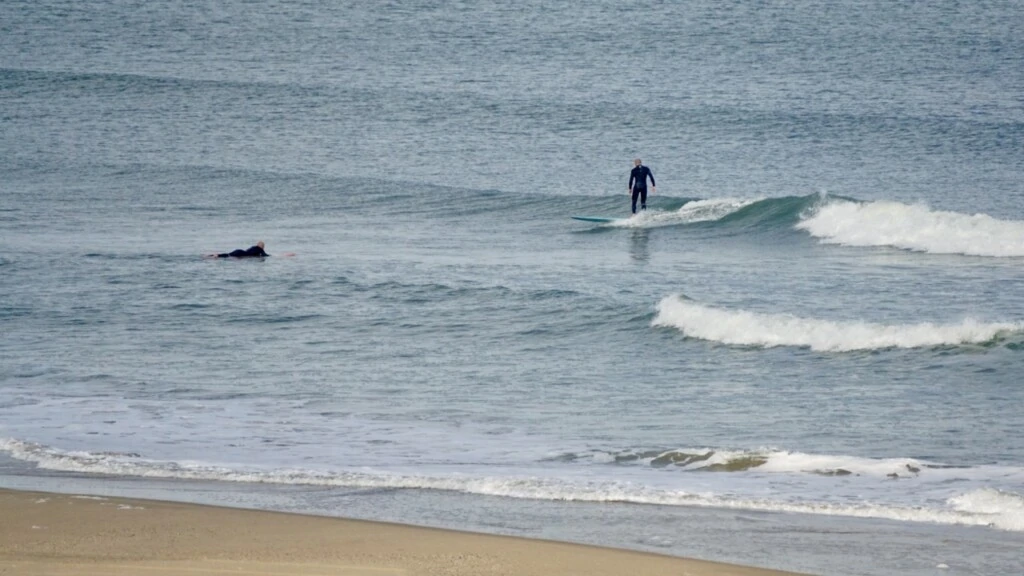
x=253 y=252
x=638 y=183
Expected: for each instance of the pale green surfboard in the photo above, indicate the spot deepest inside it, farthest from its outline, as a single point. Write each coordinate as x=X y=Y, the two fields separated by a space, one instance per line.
x=598 y=219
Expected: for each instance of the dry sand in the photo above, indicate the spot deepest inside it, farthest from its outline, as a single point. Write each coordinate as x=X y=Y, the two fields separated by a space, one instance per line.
x=63 y=535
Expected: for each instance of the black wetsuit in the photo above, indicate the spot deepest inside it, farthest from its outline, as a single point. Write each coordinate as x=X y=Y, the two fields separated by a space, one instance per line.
x=252 y=252
x=638 y=184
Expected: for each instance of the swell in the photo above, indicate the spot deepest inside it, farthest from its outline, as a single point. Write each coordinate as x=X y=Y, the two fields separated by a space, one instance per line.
x=25 y=78
x=832 y=220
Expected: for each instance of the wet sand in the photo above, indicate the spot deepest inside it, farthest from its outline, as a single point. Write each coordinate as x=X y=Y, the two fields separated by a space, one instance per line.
x=58 y=534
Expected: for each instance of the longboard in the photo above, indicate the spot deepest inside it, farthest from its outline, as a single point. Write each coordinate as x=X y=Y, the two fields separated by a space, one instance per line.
x=598 y=219
x=282 y=254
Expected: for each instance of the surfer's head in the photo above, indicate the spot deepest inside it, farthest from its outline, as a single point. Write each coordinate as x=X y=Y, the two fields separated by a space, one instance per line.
x=260 y=244
x=637 y=162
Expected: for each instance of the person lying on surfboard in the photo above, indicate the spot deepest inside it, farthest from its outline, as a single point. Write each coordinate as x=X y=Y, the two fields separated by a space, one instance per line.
x=253 y=252
x=638 y=183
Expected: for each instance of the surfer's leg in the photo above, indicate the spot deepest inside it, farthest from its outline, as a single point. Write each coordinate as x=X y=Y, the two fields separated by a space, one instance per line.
x=636 y=193
x=643 y=199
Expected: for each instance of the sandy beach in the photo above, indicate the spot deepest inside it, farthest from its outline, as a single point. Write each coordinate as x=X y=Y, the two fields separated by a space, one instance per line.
x=59 y=534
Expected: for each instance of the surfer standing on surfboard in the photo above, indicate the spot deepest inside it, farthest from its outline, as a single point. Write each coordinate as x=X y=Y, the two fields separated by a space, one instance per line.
x=638 y=183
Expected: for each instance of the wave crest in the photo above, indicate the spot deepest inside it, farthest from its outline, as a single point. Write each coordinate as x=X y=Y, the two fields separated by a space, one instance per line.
x=690 y=213
x=914 y=227
x=770 y=330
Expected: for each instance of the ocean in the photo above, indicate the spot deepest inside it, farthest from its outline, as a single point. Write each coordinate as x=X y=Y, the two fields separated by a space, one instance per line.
x=807 y=354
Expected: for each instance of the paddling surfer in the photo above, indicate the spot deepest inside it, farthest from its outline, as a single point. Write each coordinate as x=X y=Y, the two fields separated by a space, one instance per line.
x=638 y=183
x=253 y=252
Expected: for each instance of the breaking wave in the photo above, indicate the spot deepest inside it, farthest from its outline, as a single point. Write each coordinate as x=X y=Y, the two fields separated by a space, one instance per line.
x=770 y=330
x=913 y=227
x=850 y=222
x=994 y=508
x=690 y=213
x=765 y=461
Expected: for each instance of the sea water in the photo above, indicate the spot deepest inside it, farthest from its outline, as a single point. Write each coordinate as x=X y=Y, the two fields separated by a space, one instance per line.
x=806 y=354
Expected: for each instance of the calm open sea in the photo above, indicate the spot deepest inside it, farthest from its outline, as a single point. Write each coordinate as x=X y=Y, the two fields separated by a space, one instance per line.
x=807 y=354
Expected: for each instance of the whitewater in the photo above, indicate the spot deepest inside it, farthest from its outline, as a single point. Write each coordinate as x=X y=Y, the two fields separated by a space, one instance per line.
x=755 y=329
x=915 y=227
x=980 y=505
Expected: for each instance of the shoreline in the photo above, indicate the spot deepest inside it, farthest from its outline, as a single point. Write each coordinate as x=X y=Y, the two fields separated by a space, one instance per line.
x=56 y=534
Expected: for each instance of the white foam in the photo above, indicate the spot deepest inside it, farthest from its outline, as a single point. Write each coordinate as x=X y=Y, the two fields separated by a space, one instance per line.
x=689 y=213
x=783 y=461
x=786 y=462
x=775 y=461
x=984 y=507
x=769 y=330
x=1005 y=510
x=914 y=227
